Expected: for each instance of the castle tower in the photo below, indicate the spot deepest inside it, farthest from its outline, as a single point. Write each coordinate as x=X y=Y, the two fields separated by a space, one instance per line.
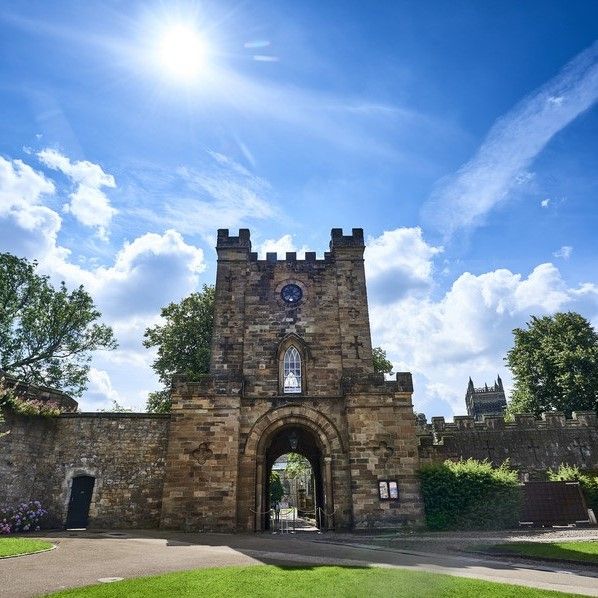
x=291 y=358
x=487 y=400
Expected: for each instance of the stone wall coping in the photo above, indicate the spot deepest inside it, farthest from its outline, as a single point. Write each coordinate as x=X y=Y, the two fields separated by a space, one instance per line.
x=551 y=419
x=113 y=415
x=375 y=383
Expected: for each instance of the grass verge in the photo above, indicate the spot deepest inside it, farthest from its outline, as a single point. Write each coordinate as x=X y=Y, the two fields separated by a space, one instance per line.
x=581 y=552
x=14 y=546
x=261 y=581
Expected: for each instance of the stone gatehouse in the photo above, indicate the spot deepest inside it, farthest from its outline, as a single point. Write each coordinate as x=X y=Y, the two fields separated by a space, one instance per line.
x=291 y=358
x=291 y=370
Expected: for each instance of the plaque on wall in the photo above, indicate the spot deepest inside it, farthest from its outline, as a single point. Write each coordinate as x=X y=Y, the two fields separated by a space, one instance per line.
x=388 y=490
x=383 y=490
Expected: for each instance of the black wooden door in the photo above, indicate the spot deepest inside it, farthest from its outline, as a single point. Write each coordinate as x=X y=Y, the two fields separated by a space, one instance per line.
x=81 y=491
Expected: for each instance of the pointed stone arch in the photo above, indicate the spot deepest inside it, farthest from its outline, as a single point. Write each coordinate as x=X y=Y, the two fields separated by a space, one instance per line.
x=287 y=415
x=293 y=340
x=253 y=460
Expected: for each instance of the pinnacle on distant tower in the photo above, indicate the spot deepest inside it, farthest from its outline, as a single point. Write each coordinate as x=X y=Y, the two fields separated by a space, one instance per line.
x=485 y=400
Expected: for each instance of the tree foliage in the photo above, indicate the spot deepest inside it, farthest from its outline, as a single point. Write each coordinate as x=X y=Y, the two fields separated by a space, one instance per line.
x=47 y=335
x=555 y=365
x=587 y=481
x=381 y=364
x=159 y=401
x=276 y=488
x=297 y=465
x=470 y=495
x=183 y=341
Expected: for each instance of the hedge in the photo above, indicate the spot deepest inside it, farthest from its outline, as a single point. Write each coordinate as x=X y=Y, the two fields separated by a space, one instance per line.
x=470 y=495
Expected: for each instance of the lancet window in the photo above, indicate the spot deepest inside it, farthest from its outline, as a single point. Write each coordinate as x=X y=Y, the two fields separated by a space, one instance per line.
x=292 y=371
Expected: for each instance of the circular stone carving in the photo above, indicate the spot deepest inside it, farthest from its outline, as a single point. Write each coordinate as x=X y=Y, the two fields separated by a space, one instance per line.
x=291 y=293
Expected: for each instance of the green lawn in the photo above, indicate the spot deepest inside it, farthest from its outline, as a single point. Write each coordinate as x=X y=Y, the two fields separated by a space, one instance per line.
x=586 y=552
x=11 y=546
x=300 y=582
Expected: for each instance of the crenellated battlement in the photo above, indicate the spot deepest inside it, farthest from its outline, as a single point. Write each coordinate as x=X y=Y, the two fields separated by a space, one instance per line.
x=551 y=419
x=529 y=443
x=242 y=241
x=291 y=259
x=368 y=383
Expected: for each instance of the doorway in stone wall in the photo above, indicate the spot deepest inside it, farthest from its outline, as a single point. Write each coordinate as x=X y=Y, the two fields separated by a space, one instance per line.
x=293 y=486
x=79 y=502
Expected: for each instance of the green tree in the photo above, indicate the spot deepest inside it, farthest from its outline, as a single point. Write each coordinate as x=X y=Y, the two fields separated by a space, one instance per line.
x=297 y=465
x=555 y=365
x=276 y=488
x=183 y=342
x=47 y=335
x=381 y=364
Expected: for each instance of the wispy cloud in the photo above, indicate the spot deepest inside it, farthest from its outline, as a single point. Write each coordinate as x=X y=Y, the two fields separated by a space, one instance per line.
x=217 y=192
x=564 y=252
x=514 y=141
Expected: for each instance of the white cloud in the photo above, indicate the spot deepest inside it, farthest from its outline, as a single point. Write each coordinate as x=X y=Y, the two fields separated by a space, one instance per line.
x=397 y=262
x=514 y=141
x=146 y=274
x=467 y=331
x=88 y=203
x=564 y=252
x=21 y=186
x=100 y=391
x=29 y=228
x=281 y=247
x=545 y=203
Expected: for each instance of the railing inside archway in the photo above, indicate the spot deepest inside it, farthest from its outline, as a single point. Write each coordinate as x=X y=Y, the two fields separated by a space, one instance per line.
x=287 y=521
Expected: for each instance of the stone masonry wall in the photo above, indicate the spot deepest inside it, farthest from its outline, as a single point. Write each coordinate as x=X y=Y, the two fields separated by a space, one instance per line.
x=531 y=445
x=200 y=486
x=330 y=324
x=124 y=452
x=382 y=446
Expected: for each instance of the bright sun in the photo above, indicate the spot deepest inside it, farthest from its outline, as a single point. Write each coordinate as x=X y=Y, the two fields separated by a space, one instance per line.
x=182 y=52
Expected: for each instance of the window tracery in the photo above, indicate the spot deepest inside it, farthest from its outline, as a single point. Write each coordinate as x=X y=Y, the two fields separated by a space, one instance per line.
x=292 y=371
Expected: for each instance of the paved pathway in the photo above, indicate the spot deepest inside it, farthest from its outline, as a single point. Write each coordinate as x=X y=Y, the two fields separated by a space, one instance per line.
x=83 y=558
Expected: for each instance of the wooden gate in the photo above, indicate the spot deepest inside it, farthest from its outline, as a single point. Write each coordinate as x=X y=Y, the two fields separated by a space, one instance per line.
x=553 y=503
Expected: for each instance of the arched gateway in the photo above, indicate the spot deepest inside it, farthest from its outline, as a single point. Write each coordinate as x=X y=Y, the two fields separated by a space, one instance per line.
x=291 y=369
x=317 y=439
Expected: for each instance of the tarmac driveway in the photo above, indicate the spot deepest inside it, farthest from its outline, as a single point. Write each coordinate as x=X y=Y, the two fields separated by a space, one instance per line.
x=83 y=558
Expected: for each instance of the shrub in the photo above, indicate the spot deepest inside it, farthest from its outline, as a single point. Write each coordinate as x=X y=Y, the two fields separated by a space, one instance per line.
x=470 y=495
x=24 y=406
x=25 y=517
x=588 y=482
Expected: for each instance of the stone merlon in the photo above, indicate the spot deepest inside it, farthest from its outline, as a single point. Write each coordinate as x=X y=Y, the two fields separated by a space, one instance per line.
x=226 y=241
x=353 y=240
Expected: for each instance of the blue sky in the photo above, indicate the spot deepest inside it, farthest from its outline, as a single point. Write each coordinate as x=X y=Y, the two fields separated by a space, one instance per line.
x=462 y=136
